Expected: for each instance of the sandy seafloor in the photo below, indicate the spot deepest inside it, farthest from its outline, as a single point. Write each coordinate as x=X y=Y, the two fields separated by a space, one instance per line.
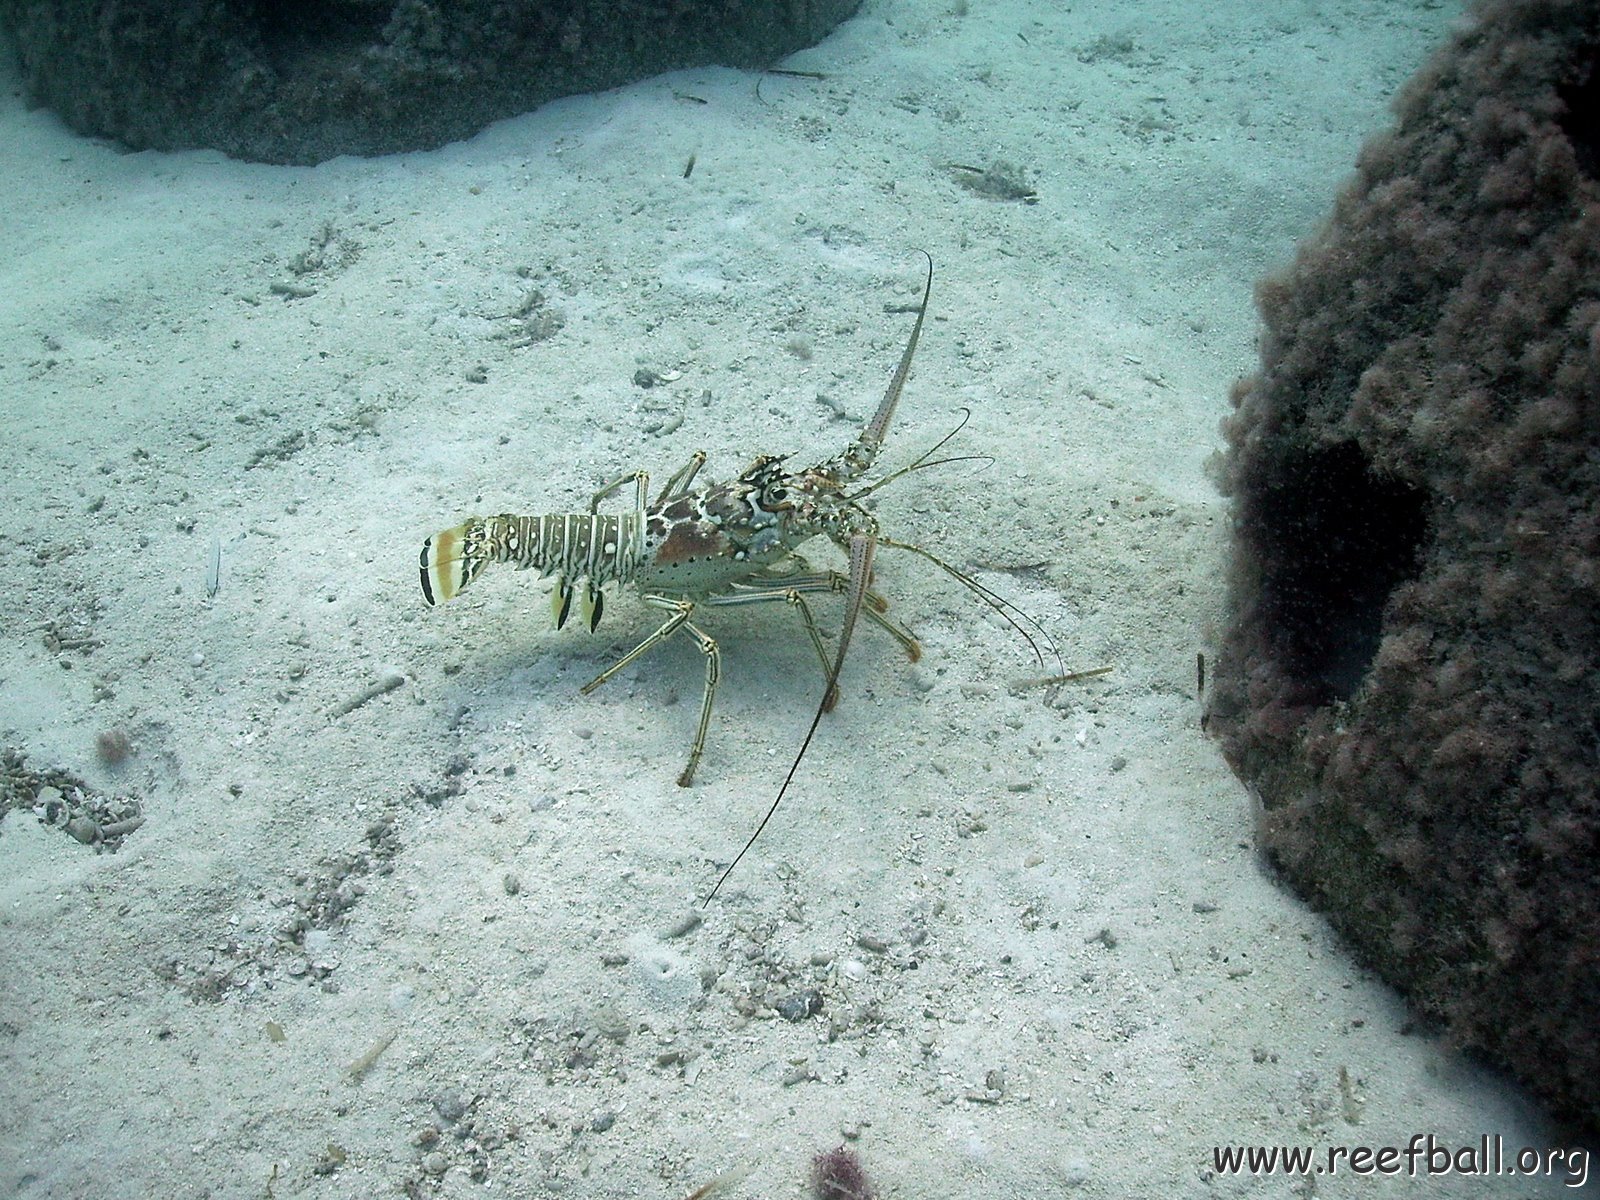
x=1049 y=958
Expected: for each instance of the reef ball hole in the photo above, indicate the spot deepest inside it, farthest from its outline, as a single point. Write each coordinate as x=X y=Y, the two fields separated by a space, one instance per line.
x=295 y=33
x=1581 y=119
x=1335 y=541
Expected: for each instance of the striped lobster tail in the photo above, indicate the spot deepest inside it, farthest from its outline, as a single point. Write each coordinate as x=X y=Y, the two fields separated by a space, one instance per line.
x=597 y=548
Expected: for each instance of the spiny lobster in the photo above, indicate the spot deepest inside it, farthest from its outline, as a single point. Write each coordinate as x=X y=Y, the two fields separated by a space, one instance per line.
x=719 y=544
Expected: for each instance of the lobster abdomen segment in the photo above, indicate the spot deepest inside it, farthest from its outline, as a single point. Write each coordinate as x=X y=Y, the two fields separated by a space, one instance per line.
x=600 y=547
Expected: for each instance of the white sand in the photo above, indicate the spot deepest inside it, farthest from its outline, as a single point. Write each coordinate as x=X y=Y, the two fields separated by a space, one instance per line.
x=159 y=1032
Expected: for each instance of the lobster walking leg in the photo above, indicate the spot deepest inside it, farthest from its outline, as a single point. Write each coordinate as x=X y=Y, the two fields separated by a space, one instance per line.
x=678 y=485
x=790 y=589
x=680 y=611
x=641 y=480
x=788 y=592
x=708 y=647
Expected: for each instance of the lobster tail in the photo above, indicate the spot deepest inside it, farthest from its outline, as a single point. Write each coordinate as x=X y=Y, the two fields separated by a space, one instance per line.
x=451 y=560
x=596 y=548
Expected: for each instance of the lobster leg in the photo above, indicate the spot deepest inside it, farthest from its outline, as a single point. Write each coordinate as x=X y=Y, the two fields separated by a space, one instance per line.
x=639 y=478
x=789 y=589
x=680 y=611
x=708 y=647
x=790 y=594
x=678 y=485
x=874 y=606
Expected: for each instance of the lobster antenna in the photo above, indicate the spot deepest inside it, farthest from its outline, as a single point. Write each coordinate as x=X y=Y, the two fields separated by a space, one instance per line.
x=872 y=436
x=861 y=451
x=778 y=799
x=862 y=546
x=988 y=595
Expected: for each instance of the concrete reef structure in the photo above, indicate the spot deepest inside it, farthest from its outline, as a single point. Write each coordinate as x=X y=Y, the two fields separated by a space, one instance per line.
x=300 y=81
x=1410 y=680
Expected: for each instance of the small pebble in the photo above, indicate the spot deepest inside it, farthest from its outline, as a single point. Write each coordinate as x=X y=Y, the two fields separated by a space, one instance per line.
x=511 y=883
x=1075 y=1172
x=603 y=1121
x=435 y=1164
x=197 y=659
x=84 y=829
x=450 y=1105
x=686 y=924
x=800 y=1005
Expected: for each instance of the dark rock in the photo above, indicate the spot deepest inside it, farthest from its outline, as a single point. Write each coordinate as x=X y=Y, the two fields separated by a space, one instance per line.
x=1410 y=676
x=800 y=1005
x=451 y=1105
x=300 y=81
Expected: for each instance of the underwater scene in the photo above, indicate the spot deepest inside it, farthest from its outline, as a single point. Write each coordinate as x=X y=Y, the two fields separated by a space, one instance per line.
x=428 y=570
